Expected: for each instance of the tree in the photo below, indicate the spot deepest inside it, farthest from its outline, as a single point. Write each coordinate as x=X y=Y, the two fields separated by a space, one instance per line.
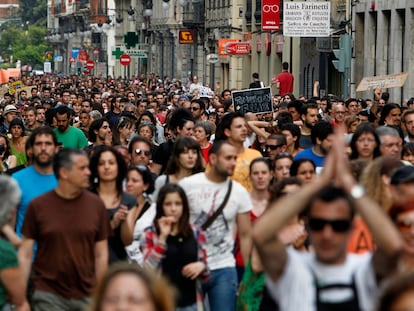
x=34 y=12
x=28 y=46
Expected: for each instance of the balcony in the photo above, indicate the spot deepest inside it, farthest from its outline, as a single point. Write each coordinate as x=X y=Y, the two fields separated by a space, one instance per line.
x=193 y=15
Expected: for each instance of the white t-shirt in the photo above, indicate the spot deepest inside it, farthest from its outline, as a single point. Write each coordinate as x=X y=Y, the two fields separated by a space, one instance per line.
x=295 y=290
x=134 y=249
x=159 y=183
x=204 y=198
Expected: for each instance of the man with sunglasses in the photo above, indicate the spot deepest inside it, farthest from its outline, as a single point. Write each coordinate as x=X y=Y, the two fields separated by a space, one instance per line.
x=328 y=278
x=197 y=108
x=275 y=144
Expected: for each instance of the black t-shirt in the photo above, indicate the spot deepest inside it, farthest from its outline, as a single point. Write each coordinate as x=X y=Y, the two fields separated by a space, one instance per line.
x=162 y=155
x=116 y=246
x=180 y=252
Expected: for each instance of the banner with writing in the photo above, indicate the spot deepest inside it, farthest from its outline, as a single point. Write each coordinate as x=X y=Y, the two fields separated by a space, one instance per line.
x=252 y=100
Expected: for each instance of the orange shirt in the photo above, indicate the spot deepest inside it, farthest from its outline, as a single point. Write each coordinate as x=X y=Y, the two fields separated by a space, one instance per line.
x=361 y=240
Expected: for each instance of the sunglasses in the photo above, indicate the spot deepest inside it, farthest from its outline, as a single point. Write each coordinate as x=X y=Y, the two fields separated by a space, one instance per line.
x=405 y=225
x=194 y=108
x=338 y=225
x=146 y=152
x=273 y=147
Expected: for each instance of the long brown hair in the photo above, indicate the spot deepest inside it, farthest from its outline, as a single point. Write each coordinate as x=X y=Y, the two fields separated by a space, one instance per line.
x=184 y=226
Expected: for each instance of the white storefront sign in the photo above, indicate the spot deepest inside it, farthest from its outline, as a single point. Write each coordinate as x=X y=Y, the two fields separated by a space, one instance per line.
x=306 y=19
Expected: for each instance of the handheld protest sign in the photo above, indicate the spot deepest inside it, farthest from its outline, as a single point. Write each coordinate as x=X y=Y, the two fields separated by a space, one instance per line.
x=252 y=100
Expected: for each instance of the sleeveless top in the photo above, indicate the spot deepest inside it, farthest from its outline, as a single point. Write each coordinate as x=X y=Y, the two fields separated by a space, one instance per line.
x=21 y=156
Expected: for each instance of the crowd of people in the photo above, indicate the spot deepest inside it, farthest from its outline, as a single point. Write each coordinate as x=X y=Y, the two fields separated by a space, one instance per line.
x=153 y=194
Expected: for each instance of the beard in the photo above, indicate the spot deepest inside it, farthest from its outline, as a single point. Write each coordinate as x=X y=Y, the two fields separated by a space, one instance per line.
x=42 y=163
x=309 y=125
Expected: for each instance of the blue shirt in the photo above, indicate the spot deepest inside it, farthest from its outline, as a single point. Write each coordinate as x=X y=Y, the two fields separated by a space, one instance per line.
x=309 y=154
x=32 y=184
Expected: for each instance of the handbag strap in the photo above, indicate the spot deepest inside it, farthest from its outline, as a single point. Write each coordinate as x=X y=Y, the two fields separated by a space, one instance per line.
x=213 y=217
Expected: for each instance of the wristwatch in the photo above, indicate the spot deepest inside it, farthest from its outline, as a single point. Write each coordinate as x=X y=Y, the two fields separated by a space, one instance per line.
x=357 y=192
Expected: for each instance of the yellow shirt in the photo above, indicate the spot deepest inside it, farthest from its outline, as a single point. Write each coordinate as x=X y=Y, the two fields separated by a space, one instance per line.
x=242 y=171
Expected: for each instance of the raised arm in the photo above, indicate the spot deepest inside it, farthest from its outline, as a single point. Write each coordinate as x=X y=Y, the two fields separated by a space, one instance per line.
x=258 y=127
x=267 y=230
x=272 y=251
x=388 y=240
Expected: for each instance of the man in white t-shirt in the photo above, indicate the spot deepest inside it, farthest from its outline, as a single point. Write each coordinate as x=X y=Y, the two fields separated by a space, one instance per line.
x=206 y=192
x=328 y=278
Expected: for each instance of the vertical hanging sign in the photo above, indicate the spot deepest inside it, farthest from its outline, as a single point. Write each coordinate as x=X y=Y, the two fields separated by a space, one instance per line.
x=270 y=14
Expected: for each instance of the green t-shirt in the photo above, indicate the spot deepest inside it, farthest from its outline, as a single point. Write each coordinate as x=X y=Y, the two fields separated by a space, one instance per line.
x=8 y=259
x=72 y=138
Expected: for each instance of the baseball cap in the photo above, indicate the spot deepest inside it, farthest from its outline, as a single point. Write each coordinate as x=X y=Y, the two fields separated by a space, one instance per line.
x=9 y=108
x=402 y=175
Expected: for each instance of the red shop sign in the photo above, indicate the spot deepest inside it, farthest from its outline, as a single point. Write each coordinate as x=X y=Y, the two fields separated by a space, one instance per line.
x=270 y=14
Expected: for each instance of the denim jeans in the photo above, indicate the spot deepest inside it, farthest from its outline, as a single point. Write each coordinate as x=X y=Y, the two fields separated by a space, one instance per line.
x=221 y=289
x=188 y=308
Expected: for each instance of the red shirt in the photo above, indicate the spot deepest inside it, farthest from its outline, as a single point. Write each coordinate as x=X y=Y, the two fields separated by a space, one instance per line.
x=285 y=80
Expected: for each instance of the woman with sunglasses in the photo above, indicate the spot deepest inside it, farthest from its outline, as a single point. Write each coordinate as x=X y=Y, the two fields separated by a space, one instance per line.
x=108 y=170
x=139 y=183
x=185 y=161
x=403 y=217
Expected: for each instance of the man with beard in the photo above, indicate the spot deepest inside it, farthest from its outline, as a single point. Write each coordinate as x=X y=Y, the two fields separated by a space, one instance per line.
x=37 y=178
x=99 y=134
x=206 y=193
x=321 y=135
x=68 y=135
x=309 y=117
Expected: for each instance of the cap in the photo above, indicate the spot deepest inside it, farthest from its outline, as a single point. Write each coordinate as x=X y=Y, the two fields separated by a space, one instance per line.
x=9 y=108
x=183 y=97
x=402 y=175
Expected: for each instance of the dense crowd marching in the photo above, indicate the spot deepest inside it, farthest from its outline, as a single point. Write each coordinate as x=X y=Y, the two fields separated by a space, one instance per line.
x=151 y=193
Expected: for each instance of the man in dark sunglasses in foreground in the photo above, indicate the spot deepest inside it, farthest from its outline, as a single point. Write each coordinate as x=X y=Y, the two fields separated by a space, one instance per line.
x=327 y=278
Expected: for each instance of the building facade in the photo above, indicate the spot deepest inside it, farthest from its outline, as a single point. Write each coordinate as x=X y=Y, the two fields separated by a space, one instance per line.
x=98 y=29
x=383 y=44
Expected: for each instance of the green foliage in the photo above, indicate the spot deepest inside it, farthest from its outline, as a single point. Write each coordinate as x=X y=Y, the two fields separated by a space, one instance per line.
x=34 y=12
x=28 y=46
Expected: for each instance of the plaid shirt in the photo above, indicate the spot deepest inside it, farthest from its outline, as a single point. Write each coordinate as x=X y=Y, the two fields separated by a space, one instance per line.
x=154 y=249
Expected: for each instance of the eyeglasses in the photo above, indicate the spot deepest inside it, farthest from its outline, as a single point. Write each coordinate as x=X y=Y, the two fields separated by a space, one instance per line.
x=405 y=225
x=194 y=108
x=273 y=147
x=340 y=112
x=337 y=225
x=146 y=152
